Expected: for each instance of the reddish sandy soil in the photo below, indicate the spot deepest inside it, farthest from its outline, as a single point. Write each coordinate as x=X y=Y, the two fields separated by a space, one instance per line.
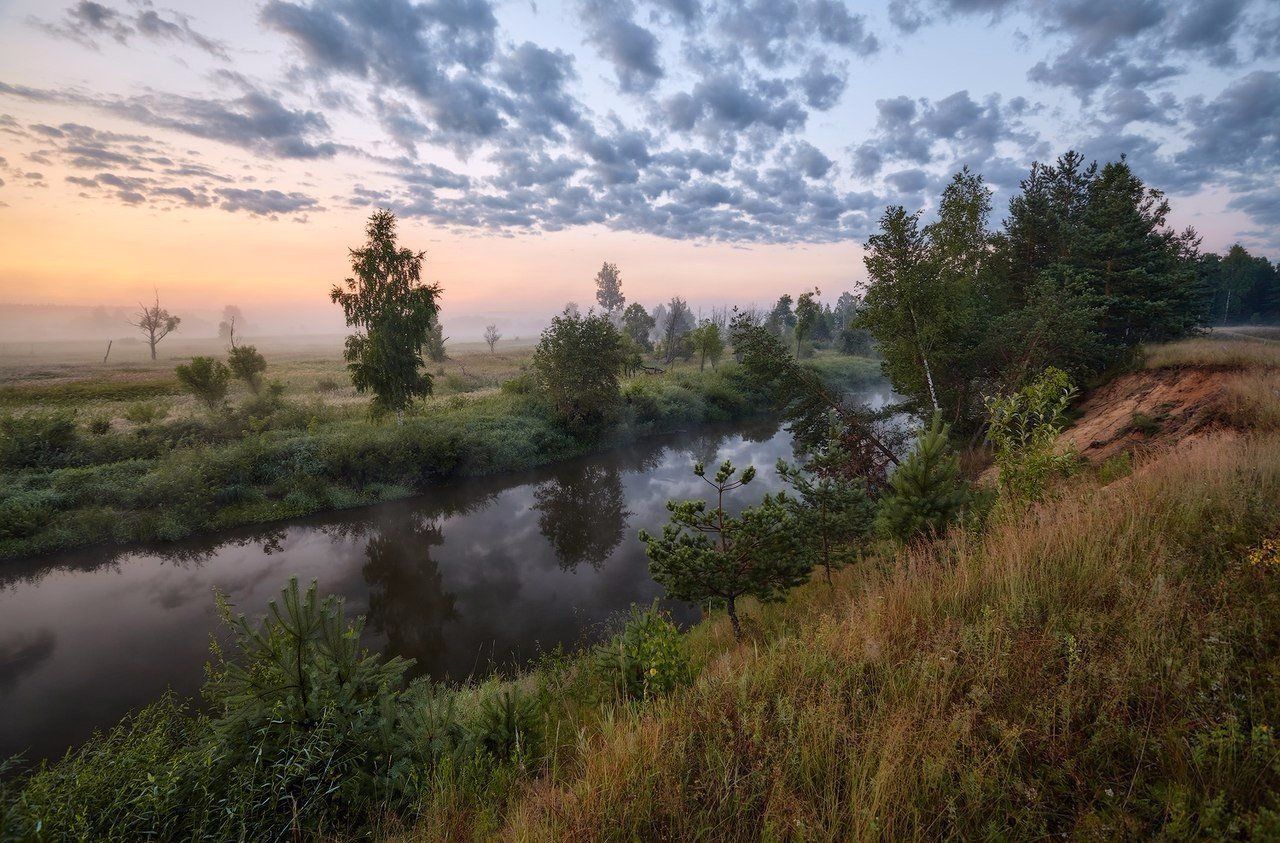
x=1146 y=411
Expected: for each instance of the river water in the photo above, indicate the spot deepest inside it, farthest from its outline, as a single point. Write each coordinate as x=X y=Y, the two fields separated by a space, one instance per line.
x=477 y=576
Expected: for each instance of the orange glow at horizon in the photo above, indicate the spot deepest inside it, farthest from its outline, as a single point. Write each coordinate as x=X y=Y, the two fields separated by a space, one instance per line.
x=75 y=252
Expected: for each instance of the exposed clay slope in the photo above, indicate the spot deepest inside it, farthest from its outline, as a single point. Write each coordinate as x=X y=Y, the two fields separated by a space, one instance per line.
x=1149 y=409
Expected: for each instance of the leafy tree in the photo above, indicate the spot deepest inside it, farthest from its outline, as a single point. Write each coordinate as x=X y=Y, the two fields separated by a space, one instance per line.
x=156 y=323
x=677 y=321
x=638 y=324
x=609 y=290
x=1023 y=429
x=231 y=317
x=706 y=554
x=708 y=343
x=577 y=363
x=491 y=336
x=247 y=365
x=901 y=307
x=808 y=314
x=436 y=351
x=207 y=379
x=393 y=313
x=832 y=511
x=781 y=319
x=809 y=405
x=926 y=492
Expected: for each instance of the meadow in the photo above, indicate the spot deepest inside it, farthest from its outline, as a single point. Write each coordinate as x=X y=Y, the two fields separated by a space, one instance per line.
x=108 y=453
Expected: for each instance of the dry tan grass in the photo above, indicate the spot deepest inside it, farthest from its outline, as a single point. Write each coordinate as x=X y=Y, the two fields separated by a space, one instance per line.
x=1218 y=349
x=1004 y=684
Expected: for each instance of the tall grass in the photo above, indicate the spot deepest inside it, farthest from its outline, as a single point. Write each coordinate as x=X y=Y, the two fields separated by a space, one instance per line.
x=1235 y=351
x=1102 y=666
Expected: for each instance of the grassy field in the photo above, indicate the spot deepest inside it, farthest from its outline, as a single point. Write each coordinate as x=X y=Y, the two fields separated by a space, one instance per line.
x=111 y=453
x=72 y=374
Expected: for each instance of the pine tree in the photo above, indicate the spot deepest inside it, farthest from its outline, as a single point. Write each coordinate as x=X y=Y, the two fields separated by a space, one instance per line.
x=926 y=492
x=832 y=511
x=1142 y=269
x=706 y=554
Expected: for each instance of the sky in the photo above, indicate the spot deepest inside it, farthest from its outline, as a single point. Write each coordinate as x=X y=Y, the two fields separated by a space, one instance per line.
x=722 y=150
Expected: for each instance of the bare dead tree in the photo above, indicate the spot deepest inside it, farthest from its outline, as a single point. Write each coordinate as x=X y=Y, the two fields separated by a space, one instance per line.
x=492 y=336
x=156 y=323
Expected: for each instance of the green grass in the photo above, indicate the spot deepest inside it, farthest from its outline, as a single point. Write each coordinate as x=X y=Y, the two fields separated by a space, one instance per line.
x=171 y=479
x=81 y=391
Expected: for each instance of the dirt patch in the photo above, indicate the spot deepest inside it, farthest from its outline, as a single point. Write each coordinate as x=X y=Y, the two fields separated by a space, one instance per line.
x=1148 y=410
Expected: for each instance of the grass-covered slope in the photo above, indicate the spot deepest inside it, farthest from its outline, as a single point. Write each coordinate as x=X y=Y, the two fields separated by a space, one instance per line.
x=1103 y=665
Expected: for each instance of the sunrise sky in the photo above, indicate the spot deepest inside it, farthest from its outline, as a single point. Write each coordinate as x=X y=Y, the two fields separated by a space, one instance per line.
x=726 y=151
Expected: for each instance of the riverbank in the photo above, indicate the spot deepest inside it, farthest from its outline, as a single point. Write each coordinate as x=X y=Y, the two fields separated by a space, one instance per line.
x=164 y=479
x=1104 y=663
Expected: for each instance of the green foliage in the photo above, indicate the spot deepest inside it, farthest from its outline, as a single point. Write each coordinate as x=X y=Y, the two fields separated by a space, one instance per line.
x=300 y=682
x=638 y=324
x=647 y=658
x=99 y=425
x=832 y=511
x=38 y=440
x=1115 y=467
x=247 y=365
x=1085 y=269
x=394 y=314
x=506 y=725
x=807 y=317
x=207 y=379
x=144 y=413
x=707 y=343
x=810 y=404
x=1023 y=429
x=578 y=362
x=926 y=492
x=609 y=289
x=706 y=554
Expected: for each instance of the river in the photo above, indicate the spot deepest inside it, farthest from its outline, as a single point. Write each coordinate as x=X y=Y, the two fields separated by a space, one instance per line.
x=476 y=576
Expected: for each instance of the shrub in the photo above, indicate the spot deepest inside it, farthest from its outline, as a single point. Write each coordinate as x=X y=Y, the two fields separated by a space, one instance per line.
x=926 y=492
x=247 y=365
x=1024 y=427
x=307 y=722
x=99 y=425
x=647 y=658
x=506 y=725
x=24 y=515
x=578 y=362
x=144 y=413
x=327 y=385
x=206 y=378
x=37 y=440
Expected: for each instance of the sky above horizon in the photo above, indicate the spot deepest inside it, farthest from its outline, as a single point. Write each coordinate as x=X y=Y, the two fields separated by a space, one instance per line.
x=724 y=150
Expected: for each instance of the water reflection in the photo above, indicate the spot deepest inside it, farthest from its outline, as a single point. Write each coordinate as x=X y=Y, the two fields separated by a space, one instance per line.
x=408 y=604
x=474 y=577
x=582 y=515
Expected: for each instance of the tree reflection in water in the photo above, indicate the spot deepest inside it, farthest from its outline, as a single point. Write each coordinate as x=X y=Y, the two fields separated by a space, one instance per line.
x=407 y=600
x=583 y=514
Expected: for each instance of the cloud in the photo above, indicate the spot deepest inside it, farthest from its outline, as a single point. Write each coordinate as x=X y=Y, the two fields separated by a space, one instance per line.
x=629 y=47
x=86 y=22
x=1237 y=131
x=265 y=202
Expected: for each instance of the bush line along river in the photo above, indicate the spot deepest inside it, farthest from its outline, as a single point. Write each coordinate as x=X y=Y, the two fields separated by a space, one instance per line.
x=475 y=576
